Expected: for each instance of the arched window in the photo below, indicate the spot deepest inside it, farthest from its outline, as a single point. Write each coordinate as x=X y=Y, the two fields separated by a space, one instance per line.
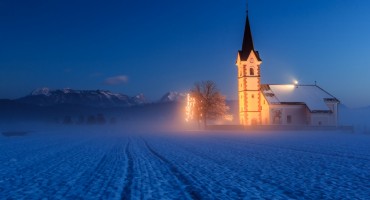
x=251 y=72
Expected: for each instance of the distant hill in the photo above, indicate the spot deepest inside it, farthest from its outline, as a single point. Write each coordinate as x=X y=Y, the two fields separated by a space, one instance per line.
x=173 y=97
x=93 y=98
x=15 y=111
x=47 y=104
x=56 y=106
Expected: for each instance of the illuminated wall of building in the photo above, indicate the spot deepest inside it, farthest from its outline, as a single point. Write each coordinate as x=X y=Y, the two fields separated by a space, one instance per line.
x=249 y=85
x=265 y=111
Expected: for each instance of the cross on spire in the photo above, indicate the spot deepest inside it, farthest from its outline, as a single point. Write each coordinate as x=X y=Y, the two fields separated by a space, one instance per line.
x=247 y=7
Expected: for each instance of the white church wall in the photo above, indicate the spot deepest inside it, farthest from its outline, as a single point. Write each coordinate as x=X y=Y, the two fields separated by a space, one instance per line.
x=333 y=106
x=326 y=119
x=323 y=119
x=288 y=114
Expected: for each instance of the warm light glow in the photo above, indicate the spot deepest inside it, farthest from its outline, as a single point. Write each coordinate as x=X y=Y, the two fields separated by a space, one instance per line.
x=249 y=86
x=229 y=118
x=295 y=82
x=189 y=109
x=287 y=88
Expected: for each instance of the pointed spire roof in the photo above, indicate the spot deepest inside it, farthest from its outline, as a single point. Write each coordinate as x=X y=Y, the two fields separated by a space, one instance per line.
x=247 y=40
x=248 y=45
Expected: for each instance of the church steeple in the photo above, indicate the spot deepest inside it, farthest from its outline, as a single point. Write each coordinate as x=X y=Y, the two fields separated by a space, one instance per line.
x=249 y=80
x=247 y=40
x=248 y=45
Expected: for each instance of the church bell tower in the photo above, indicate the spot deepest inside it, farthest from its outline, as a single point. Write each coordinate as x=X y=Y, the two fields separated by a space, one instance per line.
x=249 y=80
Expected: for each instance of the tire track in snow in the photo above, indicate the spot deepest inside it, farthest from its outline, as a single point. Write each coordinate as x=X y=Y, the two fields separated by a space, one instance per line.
x=106 y=173
x=152 y=177
x=193 y=192
x=103 y=178
x=126 y=192
x=256 y=176
x=287 y=189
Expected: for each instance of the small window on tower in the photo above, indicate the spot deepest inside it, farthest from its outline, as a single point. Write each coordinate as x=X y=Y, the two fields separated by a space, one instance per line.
x=252 y=96
x=251 y=71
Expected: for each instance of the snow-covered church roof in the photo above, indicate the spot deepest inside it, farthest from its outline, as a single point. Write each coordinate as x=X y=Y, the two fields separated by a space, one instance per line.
x=312 y=96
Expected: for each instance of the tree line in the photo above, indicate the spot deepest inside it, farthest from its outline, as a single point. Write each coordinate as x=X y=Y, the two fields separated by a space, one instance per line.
x=89 y=119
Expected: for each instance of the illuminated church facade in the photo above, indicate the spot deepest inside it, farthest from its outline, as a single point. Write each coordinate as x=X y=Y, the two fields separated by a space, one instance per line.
x=278 y=104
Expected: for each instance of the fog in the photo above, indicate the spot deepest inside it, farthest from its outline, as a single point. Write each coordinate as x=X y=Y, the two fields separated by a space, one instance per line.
x=160 y=117
x=150 y=151
x=144 y=119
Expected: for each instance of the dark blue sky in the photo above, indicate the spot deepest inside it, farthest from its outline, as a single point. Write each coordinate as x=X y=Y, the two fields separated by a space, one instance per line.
x=147 y=46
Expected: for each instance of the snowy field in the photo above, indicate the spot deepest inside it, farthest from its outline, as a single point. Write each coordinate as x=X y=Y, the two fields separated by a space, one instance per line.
x=112 y=164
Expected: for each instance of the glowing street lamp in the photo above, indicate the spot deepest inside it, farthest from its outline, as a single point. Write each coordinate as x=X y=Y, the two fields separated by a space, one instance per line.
x=296 y=83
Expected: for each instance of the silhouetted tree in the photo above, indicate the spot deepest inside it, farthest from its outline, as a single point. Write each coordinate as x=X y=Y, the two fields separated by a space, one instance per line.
x=100 y=119
x=91 y=119
x=210 y=104
x=81 y=119
x=67 y=120
x=113 y=120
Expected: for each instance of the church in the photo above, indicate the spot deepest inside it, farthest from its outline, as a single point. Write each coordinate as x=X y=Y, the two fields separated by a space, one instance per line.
x=278 y=104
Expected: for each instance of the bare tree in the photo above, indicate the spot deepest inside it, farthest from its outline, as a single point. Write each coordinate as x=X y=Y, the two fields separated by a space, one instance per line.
x=210 y=104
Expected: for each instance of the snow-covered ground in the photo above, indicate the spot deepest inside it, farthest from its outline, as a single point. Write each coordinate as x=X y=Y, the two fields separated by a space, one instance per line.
x=113 y=164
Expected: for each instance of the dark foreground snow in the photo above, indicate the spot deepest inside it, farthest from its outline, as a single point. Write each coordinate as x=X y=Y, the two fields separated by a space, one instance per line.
x=79 y=165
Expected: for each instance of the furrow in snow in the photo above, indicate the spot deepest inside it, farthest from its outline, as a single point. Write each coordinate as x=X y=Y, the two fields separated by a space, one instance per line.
x=193 y=192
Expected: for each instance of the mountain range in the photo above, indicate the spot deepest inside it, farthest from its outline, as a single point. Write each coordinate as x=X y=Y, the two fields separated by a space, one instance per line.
x=50 y=104
x=92 y=98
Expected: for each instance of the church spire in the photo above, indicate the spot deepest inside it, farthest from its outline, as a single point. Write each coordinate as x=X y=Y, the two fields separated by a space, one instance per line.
x=247 y=40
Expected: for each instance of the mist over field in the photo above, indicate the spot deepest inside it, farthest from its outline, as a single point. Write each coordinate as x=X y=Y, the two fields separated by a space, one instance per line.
x=149 y=151
x=88 y=144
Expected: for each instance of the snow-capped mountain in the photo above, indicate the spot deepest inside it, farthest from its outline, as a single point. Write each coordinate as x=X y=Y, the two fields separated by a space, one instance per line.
x=41 y=91
x=139 y=99
x=173 y=97
x=95 y=98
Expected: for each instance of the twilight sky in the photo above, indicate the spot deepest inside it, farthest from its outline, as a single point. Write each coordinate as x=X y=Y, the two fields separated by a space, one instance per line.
x=151 y=47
